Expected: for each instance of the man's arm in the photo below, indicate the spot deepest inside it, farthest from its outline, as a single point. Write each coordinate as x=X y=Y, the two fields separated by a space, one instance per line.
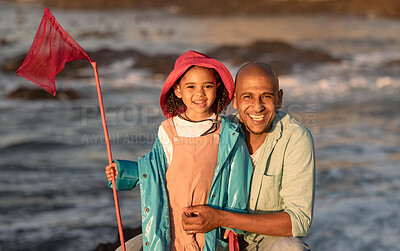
x=297 y=192
x=298 y=181
x=208 y=218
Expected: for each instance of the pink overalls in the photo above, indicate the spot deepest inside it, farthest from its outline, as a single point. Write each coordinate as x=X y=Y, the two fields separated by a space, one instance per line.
x=188 y=179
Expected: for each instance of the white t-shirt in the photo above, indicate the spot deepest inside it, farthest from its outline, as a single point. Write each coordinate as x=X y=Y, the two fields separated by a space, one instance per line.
x=255 y=156
x=184 y=128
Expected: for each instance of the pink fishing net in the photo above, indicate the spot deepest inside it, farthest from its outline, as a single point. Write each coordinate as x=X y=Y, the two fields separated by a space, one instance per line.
x=50 y=50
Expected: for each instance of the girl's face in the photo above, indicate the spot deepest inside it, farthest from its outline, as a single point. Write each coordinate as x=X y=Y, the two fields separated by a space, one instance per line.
x=197 y=88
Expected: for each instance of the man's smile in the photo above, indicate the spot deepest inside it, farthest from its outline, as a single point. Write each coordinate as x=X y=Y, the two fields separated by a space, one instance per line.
x=257 y=118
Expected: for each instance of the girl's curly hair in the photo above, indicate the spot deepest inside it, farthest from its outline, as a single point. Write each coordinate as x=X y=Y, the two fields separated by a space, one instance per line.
x=176 y=106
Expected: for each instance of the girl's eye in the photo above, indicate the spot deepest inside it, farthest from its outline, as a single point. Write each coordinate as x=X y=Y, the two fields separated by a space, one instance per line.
x=209 y=86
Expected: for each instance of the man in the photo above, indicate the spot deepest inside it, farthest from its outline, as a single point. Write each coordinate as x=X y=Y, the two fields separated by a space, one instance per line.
x=282 y=190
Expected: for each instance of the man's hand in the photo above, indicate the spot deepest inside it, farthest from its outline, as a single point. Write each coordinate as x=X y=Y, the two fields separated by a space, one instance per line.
x=200 y=219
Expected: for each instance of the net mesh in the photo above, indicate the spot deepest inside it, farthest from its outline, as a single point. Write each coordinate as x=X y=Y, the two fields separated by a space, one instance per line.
x=50 y=50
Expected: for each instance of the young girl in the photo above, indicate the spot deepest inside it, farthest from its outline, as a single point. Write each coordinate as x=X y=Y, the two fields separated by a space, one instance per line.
x=197 y=158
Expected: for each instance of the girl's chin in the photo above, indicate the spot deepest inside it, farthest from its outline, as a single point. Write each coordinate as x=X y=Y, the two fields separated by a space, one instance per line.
x=198 y=115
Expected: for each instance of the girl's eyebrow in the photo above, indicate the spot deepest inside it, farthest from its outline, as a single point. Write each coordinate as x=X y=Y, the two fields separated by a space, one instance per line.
x=192 y=83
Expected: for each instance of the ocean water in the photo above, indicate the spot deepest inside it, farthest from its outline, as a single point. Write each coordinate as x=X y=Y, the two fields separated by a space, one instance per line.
x=53 y=191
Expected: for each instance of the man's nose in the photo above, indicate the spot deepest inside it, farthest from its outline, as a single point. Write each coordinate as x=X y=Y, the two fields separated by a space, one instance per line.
x=258 y=106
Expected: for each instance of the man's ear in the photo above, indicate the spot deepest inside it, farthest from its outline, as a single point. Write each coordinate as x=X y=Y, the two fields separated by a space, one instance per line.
x=234 y=101
x=177 y=91
x=280 y=98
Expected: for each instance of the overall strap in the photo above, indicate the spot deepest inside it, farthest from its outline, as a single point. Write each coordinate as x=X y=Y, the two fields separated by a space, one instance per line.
x=170 y=129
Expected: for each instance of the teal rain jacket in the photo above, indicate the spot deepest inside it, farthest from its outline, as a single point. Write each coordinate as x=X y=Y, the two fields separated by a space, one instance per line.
x=229 y=189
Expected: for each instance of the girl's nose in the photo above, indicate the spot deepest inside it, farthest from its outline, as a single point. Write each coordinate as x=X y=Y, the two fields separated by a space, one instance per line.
x=200 y=92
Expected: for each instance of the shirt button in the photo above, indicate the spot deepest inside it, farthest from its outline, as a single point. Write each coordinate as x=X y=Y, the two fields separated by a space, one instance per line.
x=213 y=196
x=142 y=156
x=175 y=139
x=144 y=175
x=147 y=243
x=233 y=133
x=147 y=209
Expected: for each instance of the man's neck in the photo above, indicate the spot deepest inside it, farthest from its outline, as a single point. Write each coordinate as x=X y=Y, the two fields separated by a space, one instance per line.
x=254 y=141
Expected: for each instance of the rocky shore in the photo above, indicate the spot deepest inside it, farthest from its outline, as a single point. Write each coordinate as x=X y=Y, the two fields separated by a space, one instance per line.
x=385 y=8
x=282 y=56
x=348 y=104
x=128 y=234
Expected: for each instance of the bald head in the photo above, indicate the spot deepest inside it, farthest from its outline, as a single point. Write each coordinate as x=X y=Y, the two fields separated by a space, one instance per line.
x=257 y=98
x=257 y=69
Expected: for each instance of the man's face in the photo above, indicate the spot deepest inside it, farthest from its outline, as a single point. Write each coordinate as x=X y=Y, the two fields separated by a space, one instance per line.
x=257 y=98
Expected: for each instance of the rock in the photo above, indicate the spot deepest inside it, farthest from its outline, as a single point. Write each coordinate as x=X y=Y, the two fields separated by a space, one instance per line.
x=161 y=63
x=158 y=64
x=106 y=57
x=12 y=65
x=394 y=63
x=281 y=56
x=390 y=68
x=128 y=234
x=385 y=8
x=39 y=93
x=103 y=57
x=271 y=47
x=97 y=34
x=72 y=69
x=4 y=42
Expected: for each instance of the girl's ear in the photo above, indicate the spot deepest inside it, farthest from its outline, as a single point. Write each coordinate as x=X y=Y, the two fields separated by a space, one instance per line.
x=177 y=91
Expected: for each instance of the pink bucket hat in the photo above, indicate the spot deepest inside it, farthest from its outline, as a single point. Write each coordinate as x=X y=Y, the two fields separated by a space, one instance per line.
x=199 y=59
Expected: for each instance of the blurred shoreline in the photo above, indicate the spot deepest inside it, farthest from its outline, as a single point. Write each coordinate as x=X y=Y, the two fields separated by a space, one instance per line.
x=340 y=79
x=369 y=8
